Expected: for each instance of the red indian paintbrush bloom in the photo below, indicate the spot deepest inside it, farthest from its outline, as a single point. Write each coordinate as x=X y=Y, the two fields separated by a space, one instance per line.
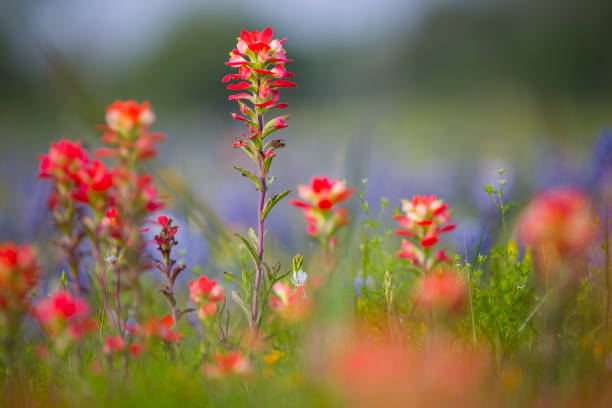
x=206 y=294
x=424 y=219
x=260 y=61
x=230 y=364
x=383 y=372
x=114 y=344
x=558 y=225
x=124 y=116
x=290 y=304
x=63 y=162
x=442 y=290
x=127 y=131
x=319 y=202
x=19 y=274
x=160 y=328
x=65 y=318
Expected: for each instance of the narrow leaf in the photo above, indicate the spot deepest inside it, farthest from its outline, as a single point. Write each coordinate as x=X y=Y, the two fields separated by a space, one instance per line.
x=251 y=176
x=249 y=248
x=272 y=202
x=233 y=277
x=243 y=306
x=253 y=238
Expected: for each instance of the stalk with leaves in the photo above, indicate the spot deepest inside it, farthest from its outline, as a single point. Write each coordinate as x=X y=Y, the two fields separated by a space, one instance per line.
x=261 y=70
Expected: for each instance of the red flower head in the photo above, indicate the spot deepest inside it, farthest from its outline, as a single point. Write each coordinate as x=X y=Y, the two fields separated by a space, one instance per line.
x=424 y=219
x=111 y=223
x=127 y=132
x=125 y=116
x=63 y=162
x=319 y=201
x=64 y=317
x=382 y=372
x=230 y=364
x=19 y=274
x=94 y=180
x=206 y=294
x=165 y=239
x=557 y=225
x=290 y=304
x=161 y=329
x=441 y=290
x=114 y=344
x=261 y=72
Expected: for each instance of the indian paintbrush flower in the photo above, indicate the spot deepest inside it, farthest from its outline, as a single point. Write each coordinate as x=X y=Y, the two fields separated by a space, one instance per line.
x=442 y=289
x=167 y=265
x=228 y=364
x=205 y=294
x=557 y=225
x=19 y=275
x=290 y=304
x=424 y=218
x=260 y=61
x=65 y=318
x=320 y=201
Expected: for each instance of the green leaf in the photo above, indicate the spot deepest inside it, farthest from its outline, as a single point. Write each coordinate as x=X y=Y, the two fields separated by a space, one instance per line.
x=243 y=306
x=64 y=280
x=230 y=276
x=272 y=202
x=249 y=248
x=251 y=176
x=253 y=238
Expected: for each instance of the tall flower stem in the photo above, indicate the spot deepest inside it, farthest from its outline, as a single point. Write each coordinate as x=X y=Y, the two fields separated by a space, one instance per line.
x=261 y=69
x=260 y=230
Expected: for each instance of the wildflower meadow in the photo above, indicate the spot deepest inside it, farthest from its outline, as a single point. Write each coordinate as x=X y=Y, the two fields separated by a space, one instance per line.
x=142 y=295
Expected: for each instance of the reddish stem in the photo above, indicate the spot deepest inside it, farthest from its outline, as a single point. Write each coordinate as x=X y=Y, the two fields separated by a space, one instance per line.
x=260 y=235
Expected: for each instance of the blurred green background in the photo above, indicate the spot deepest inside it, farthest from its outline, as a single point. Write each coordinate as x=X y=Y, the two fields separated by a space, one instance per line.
x=420 y=96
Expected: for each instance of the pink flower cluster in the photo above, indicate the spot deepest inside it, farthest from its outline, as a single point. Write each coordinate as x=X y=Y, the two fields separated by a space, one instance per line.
x=75 y=176
x=19 y=274
x=232 y=364
x=206 y=294
x=261 y=71
x=424 y=218
x=442 y=290
x=320 y=201
x=558 y=225
x=290 y=304
x=64 y=317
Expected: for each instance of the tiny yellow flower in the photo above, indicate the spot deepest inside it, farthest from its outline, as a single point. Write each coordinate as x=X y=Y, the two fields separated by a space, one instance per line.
x=512 y=250
x=273 y=357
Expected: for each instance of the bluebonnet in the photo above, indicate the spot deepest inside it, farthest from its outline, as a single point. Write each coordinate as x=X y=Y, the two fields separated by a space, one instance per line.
x=602 y=159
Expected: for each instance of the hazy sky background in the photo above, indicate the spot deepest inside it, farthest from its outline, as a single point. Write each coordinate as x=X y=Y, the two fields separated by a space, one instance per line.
x=112 y=30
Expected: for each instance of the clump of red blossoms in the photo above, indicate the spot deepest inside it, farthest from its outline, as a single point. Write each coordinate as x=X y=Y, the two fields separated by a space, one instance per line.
x=19 y=274
x=76 y=180
x=261 y=71
x=160 y=328
x=114 y=344
x=127 y=131
x=206 y=294
x=383 y=372
x=230 y=364
x=558 y=225
x=134 y=197
x=65 y=318
x=124 y=116
x=424 y=218
x=441 y=290
x=290 y=304
x=319 y=201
